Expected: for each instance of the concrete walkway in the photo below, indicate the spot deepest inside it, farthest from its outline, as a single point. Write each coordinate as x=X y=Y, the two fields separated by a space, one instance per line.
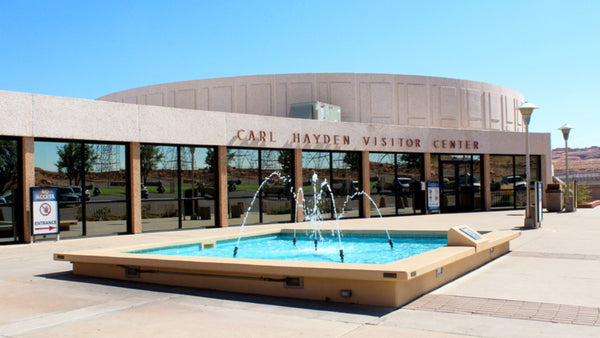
x=549 y=285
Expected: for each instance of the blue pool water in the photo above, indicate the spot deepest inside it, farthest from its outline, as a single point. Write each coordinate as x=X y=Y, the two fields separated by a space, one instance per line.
x=363 y=248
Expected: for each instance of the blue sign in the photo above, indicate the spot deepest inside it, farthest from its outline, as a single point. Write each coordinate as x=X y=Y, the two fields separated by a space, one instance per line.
x=44 y=211
x=470 y=233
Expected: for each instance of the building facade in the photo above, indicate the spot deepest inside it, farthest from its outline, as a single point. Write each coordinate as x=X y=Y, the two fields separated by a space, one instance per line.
x=219 y=151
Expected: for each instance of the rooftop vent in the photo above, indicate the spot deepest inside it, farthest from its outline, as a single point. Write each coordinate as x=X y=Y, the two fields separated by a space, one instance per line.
x=316 y=111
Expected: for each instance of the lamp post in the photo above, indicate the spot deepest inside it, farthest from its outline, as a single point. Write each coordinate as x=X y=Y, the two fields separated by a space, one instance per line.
x=526 y=110
x=565 y=129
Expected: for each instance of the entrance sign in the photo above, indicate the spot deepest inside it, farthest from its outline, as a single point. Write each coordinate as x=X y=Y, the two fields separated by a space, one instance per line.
x=433 y=195
x=44 y=211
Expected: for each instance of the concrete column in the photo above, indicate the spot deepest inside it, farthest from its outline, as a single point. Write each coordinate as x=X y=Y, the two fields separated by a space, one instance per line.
x=28 y=177
x=365 y=185
x=296 y=166
x=134 y=205
x=486 y=192
x=427 y=167
x=222 y=207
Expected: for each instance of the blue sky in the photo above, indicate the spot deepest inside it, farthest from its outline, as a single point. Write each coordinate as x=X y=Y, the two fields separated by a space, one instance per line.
x=547 y=50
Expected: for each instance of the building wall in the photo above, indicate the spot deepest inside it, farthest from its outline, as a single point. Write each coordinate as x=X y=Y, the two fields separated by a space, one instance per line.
x=368 y=98
x=41 y=116
x=31 y=117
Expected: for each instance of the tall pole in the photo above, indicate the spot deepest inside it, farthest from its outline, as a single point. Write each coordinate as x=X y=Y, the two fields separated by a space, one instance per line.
x=526 y=110
x=569 y=206
x=565 y=129
x=527 y=177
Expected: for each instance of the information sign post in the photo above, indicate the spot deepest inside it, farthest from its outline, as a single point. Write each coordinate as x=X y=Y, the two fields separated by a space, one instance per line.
x=44 y=212
x=433 y=195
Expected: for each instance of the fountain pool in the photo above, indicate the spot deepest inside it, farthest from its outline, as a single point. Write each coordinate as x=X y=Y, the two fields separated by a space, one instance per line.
x=390 y=284
x=367 y=248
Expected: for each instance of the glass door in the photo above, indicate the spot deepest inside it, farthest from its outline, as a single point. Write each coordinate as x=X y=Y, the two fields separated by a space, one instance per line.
x=456 y=193
x=465 y=186
x=448 y=187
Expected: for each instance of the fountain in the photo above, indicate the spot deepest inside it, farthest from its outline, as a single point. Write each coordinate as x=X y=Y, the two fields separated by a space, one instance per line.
x=312 y=214
x=392 y=282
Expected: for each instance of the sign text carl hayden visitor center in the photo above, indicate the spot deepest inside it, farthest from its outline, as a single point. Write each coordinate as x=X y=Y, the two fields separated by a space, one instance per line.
x=193 y=154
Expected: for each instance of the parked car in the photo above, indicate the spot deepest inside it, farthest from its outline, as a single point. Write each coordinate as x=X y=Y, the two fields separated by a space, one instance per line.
x=66 y=195
x=78 y=191
x=402 y=184
x=518 y=182
x=470 y=180
x=144 y=191
x=6 y=198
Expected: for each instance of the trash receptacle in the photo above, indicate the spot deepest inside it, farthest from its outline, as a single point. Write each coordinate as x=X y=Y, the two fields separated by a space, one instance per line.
x=554 y=197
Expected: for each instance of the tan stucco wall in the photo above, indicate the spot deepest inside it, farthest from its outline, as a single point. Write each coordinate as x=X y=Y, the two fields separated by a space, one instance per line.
x=66 y=118
x=32 y=115
x=369 y=98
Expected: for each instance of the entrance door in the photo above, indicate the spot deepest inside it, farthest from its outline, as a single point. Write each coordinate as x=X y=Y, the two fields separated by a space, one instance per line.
x=456 y=193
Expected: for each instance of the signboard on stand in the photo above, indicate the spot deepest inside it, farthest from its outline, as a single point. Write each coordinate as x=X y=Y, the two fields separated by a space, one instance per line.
x=44 y=211
x=433 y=195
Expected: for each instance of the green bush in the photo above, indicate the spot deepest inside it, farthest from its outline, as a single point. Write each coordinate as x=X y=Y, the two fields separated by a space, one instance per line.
x=584 y=194
x=281 y=209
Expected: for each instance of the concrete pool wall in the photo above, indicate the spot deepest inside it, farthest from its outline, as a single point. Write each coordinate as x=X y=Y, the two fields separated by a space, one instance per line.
x=393 y=284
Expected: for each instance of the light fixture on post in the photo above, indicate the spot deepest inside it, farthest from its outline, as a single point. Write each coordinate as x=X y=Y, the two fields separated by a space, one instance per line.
x=565 y=129
x=526 y=110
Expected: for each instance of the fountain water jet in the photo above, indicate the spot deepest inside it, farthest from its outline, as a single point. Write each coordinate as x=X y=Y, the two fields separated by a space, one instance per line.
x=312 y=214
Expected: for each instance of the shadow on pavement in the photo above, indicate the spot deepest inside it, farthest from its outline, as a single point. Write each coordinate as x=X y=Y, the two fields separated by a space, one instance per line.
x=230 y=296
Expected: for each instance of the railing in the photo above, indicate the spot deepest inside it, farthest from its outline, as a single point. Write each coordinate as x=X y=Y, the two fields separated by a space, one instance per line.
x=581 y=177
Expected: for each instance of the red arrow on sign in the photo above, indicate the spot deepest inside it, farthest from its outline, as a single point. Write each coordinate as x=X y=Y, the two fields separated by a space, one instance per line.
x=50 y=228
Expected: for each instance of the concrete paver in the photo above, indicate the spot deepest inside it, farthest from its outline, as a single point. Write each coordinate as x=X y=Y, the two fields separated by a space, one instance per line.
x=549 y=285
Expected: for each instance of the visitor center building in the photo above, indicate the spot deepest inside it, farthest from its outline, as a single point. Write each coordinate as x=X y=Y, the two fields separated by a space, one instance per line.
x=214 y=152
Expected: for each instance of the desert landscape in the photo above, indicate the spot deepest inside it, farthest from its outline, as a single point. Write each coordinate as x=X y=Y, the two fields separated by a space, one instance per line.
x=582 y=160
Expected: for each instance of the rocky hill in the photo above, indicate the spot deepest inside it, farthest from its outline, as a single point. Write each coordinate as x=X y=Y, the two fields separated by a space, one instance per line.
x=580 y=160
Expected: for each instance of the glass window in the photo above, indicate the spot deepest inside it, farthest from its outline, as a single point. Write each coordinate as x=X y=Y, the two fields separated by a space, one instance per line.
x=91 y=181
x=242 y=185
x=277 y=201
x=477 y=184
x=520 y=181
x=58 y=165
x=198 y=186
x=159 y=189
x=178 y=187
x=382 y=174
x=406 y=185
x=509 y=179
x=104 y=188
x=9 y=184
x=316 y=200
x=395 y=183
x=345 y=183
x=434 y=169
x=337 y=175
x=534 y=162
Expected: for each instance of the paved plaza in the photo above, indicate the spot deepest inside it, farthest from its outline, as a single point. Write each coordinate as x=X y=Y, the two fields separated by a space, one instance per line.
x=548 y=285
